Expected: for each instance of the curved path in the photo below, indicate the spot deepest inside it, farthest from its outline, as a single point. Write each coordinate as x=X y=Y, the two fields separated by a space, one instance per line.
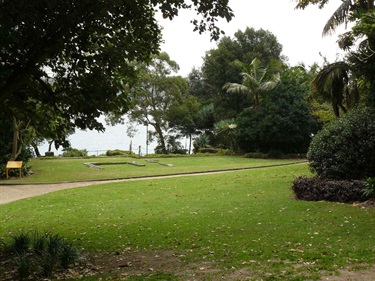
x=13 y=192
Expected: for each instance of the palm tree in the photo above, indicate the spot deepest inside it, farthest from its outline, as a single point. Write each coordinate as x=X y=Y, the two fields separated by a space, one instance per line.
x=226 y=129
x=340 y=16
x=336 y=84
x=255 y=82
x=342 y=13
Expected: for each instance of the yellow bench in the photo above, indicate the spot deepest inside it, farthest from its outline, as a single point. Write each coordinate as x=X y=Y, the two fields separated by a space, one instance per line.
x=13 y=165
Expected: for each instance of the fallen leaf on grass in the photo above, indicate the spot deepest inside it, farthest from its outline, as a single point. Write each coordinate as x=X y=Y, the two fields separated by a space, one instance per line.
x=298 y=250
x=249 y=262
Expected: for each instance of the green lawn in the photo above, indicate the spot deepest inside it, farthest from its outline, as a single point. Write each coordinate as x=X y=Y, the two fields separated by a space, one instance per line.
x=68 y=169
x=243 y=220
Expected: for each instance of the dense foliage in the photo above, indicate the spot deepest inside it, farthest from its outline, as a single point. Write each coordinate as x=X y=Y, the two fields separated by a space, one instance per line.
x=118 y=152
x=317 y=189
x=6 y=136
x=37 y=256
x=283 y=121
x=66 y=62
x=74 y=152
x=156 y=94
x=359 y=41
x=5 y=140
x=345 y=148
x=225 y=64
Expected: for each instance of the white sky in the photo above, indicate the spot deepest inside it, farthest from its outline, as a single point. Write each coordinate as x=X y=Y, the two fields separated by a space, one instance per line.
x=299 y=31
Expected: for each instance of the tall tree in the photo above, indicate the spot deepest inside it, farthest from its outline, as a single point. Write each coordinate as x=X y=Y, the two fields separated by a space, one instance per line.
x=335 y=84
x=201 y=87
x=34 y=123
x=221 y=65
x=225 y=130
x=359 y=41
x=183 y=116
x=155 y=93
x=283 y=121
x=256 y=82
x=346 y=12
x=87 y=32
x=78 y=55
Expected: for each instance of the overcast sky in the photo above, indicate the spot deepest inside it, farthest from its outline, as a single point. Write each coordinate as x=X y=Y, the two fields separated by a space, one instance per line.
x=299 y=31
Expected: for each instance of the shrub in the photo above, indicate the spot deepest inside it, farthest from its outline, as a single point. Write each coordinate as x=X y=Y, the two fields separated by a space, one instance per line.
x=118 y=152
x=345 y=148
x=201 y=141
x=208 y=150
x=295 y=156
x=258 y=155
x=172 y=146
x=73 y=152
x=275 y=154
x=225 y=152
x=370 y=187
x=317 y=189
x=37 y=255
x=14 y=172
x=49 y=153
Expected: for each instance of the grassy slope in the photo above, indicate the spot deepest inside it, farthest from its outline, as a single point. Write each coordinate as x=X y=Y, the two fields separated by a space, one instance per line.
x=239 y=219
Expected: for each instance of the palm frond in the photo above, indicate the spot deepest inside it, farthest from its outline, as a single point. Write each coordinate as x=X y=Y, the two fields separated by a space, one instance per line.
x=235 y=88
x=331 y=83
x=340 y=16
x=249 y=80
x=270 y=84
x=257 y=70
x=324 y=79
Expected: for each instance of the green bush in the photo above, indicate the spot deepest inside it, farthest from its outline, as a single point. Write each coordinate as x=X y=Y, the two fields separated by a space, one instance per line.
x=370 y=188
x=208 y=150
x=345 y=148
x=275 y=154
x=37 y=255
x=202 y=141
x=49 y=153
x=317 y=189
x=257 y=155
x=118 y=152
x=73 y=152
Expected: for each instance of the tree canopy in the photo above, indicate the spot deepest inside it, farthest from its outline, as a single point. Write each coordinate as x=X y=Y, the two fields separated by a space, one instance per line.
x=156 y=94
x=75 y=57
x=225 y=64
x=283 y=120
x=68 y=52
x=359 y=41
x=256 y=81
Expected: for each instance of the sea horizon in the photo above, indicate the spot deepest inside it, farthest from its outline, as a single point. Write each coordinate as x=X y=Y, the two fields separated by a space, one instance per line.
x=114 y=137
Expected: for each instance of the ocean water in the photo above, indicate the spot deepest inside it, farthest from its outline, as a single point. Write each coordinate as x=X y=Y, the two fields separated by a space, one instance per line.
x=114 y=137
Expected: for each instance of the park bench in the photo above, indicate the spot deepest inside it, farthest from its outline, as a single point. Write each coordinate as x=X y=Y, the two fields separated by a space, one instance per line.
x=13 y=165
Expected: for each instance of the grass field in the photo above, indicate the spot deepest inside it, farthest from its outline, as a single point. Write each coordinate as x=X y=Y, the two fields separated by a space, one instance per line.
x=69 y=169
x=243 y=225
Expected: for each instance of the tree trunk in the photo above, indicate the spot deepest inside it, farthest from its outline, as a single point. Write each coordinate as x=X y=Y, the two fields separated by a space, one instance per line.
x=189 y=144
x=159 y=131
x=36 y=149
x=50 y=145
x=16 y=137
